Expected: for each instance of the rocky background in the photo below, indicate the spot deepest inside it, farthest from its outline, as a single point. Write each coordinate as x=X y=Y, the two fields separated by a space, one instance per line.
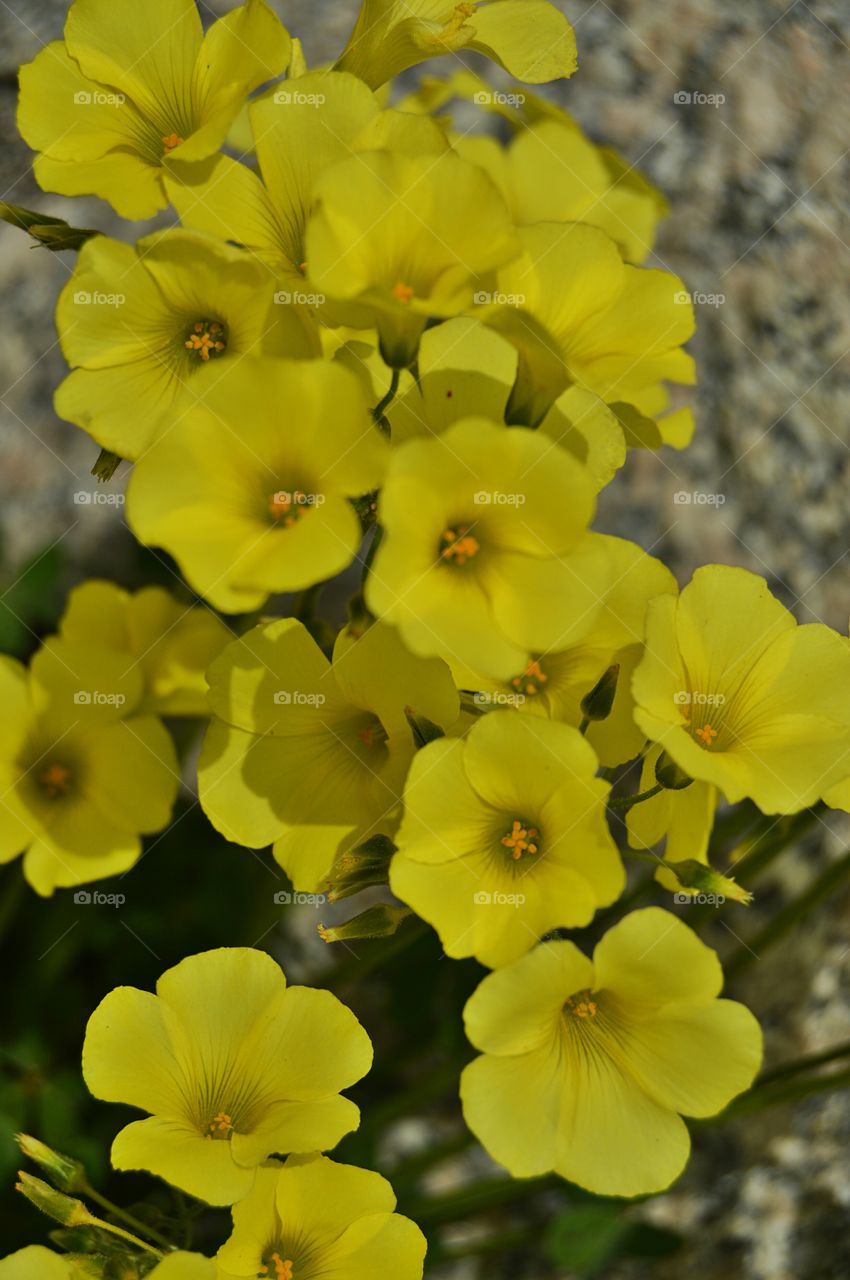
x=757 y=178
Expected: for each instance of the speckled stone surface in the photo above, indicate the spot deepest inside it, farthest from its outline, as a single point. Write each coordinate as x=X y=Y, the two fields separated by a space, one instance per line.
x=756 y=169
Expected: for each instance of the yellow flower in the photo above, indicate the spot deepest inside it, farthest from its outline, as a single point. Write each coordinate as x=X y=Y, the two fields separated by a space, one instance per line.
x=312 y=755
x=577 y=312
x=740 y=696
x=35 y=1260
x=485 y=552
x=81 y=773
x=554 y=682
x=467 y=370
x=587 y=1067
x=230 y=1064
x=133 y=84
x=531 y=40
x=504 y=837
x=302 y=128
x=311 y=1218
x=149 y=329
x=248 y=509
x=171 y=644
x=396 y=240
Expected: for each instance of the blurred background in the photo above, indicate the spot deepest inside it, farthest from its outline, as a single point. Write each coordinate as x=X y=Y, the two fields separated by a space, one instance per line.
x=757 y=178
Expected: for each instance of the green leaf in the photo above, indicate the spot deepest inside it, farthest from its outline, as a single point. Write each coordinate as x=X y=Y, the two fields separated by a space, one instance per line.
x=585 y=1238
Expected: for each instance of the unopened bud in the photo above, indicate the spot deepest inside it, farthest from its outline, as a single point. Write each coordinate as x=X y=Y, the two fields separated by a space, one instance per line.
x=63 y=1209
x=360 y=868
x=423 y=730
x=64 y=1173
x=381 y=921
x=698 y=878
x=668 y=773
x=597 y=704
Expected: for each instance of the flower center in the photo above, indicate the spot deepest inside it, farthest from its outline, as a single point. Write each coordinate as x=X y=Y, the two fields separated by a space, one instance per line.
x=55 y=781
x=705 y=734
x=206 y=339
x=275 y=1266
x=581 y=1005
x=532 y=679
x=170 y=141
x=458 y=545
x=220 y=1127
x=288 y=507
x=403 y=292
x=521 y=839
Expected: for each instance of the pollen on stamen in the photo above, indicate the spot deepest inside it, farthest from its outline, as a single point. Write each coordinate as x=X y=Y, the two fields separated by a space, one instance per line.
x=706 y=734
x=581 y=1005
x=206 y=339
x=282 y=1267
x=287 y=508
x=531 y=680
x=56 y=780
x=521 y=839
x=458 y=545
x=403 y=292
x=172 y=140
x=221 y=1126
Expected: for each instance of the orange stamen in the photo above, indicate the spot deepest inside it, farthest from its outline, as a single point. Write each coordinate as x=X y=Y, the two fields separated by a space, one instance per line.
x=520 y=839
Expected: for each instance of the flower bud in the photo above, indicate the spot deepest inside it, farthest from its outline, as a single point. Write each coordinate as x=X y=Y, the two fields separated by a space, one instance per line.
x=424 y=731
x=360 y=868
x=64 y=1173
x=698 y=878
x=62 y=1208
x=380 y=921
x=597 y=704
x=668 y=773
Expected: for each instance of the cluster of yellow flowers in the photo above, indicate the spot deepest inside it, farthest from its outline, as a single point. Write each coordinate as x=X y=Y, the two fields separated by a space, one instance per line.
x=378 y=337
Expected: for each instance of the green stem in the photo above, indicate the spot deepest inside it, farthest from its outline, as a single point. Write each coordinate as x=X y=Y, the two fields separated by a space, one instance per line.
x=128 y=1235
x=411 y=1170
x=478 y=1198
x=585 y=725
x=785 y=920
x=379 y=411
x=352 y=971
x=626 y=802
x=305 y=603
x=807 y=1062
x=760 y=1097
x=116 y=1212
x=377 y=537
